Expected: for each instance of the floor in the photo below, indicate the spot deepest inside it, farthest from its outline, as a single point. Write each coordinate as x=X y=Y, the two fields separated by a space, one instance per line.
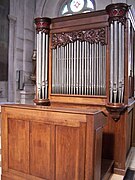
x=131 y=167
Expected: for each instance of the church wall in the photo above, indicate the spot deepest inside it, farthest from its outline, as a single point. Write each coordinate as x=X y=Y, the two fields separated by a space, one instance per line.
x=51 y=8
x=21 y=46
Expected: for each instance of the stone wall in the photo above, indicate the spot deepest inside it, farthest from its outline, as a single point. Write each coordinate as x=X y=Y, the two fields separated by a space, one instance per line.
x=21 y=44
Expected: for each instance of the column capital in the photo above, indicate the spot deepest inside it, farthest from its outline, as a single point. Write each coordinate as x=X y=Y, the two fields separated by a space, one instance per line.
x=42 y=24
x=117 y=12
x=12 y=18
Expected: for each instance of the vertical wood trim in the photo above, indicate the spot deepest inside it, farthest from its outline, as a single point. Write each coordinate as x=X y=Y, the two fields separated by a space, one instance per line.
x=27 y=135
x=89 y=165
x=133 y=128
x=4 y=138
x=53 y=153
x=81 y=158
x=98 y=152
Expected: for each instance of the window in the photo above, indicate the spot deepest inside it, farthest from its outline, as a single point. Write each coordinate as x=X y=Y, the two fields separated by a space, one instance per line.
x=77 y=6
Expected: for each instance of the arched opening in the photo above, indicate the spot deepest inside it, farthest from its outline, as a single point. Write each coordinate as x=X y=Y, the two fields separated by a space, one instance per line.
x=76 y=6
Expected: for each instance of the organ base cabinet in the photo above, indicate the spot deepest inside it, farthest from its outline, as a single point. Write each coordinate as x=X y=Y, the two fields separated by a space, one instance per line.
x=51 y=143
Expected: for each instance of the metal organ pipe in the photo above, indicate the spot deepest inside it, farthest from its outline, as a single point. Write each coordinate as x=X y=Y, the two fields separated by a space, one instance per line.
x=88 y=67
x=80 y=67
x=39 y=63
x=111 y=62
x=43 y=66
x=37 y=69
x=122 y=64
x=77 y=67
x=103 y=69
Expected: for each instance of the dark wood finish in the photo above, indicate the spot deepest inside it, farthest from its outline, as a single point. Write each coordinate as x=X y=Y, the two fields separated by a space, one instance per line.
x=133 y=128
x=106 y=169
x=51 y=143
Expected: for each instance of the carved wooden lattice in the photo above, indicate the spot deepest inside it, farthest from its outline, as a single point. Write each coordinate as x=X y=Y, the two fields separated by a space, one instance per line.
x=91 y=36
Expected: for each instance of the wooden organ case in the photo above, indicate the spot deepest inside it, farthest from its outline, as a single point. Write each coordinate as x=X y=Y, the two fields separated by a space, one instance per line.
x=84 y=75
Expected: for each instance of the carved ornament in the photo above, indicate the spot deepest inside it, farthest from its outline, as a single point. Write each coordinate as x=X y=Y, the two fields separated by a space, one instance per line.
x=92 y=36
x=42 y=24
x=115 y=110
x=117 y=12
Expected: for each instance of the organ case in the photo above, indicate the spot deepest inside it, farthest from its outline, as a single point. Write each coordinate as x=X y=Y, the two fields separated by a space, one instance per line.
x=91 y=65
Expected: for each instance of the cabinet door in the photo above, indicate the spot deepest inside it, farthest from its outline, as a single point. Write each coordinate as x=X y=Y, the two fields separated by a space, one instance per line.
x=18 y=143
x=57 y=152
x=70 y=152
x=40 y=137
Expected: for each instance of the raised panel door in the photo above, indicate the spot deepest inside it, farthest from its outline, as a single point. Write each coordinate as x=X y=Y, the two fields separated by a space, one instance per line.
x=18 y=145
x=40 y=134
x=70 y=143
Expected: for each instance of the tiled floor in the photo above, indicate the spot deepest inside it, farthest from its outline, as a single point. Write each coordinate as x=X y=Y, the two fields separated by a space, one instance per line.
x=116 y=177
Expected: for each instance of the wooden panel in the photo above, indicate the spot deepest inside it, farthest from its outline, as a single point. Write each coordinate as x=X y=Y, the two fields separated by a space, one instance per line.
x=129 y=130
x=40 y=150
x=133 y=128
x=67 y=151
x=60 y=142
x=18 y=143
x=97 y=159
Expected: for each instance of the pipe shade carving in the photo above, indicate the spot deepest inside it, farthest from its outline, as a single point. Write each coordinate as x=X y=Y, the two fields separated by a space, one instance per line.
x=92 y=36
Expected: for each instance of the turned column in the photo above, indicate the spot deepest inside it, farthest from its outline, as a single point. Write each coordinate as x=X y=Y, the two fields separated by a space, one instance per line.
x=117 y=23
x=42 y=35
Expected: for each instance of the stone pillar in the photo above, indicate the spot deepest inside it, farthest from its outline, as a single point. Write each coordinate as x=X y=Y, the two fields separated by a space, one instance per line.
x=27 y=94
x=11 y=56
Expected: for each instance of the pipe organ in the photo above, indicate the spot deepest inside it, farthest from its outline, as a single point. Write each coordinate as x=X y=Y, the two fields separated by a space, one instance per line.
x=84 y=104
x=91 y=65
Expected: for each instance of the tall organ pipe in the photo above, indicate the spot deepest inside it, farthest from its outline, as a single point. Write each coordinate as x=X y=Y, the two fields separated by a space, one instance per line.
x=42 y=28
